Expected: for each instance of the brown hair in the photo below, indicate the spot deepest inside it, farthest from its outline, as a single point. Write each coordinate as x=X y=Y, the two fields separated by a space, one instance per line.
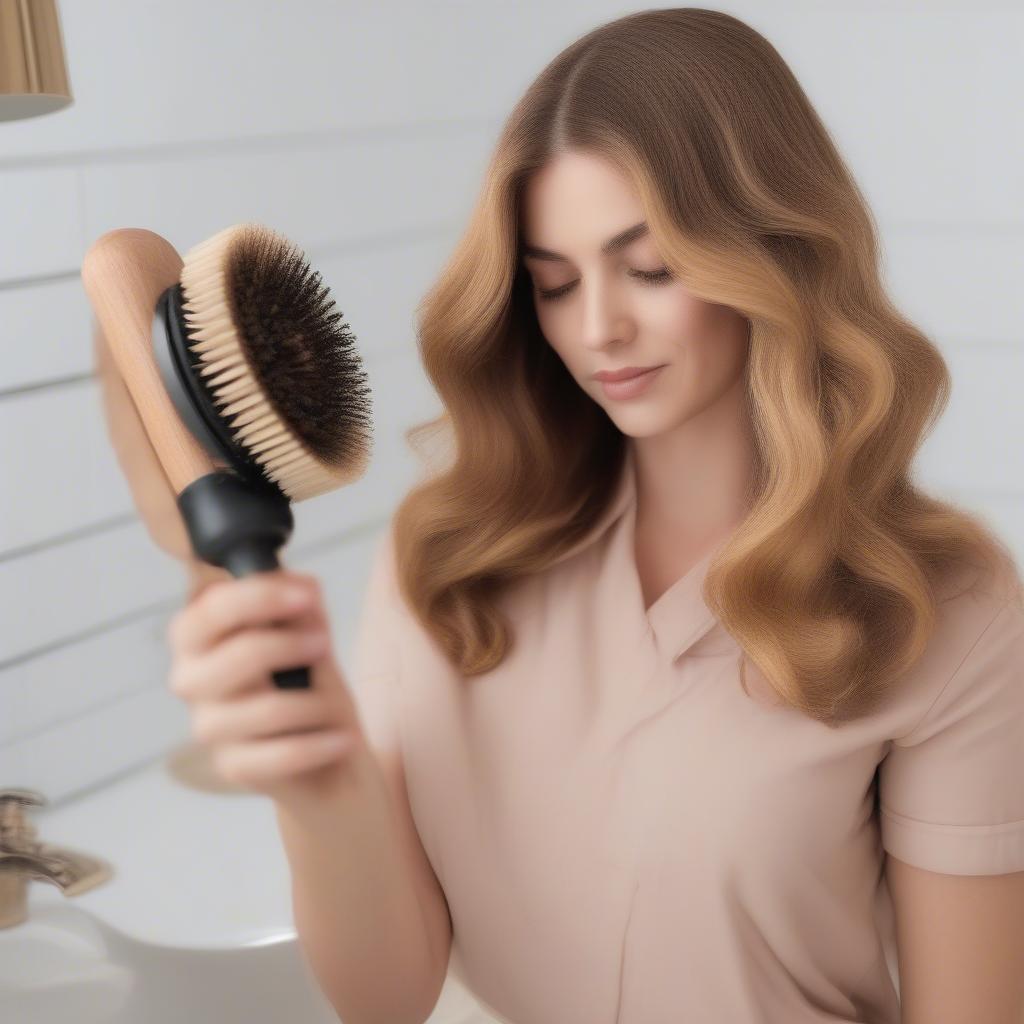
x=830 y=583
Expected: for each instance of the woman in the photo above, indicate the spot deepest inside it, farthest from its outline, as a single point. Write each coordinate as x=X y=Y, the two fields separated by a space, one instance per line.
x=690 y=704
x=563 y=623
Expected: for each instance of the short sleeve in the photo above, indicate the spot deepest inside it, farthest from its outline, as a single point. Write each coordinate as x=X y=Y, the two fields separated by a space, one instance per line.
x=376 y=661
x=951 y=792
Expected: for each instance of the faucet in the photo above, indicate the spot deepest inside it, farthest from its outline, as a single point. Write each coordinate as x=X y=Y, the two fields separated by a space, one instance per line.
x=23 y=858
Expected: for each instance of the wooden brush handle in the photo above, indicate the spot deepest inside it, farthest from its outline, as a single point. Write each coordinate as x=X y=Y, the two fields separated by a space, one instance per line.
x=124 y=273
x=154 y=499
x=151 y=490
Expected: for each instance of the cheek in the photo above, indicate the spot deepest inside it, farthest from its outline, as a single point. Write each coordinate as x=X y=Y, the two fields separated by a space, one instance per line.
x=715 y=358
x=679 y=316
x=712 y=335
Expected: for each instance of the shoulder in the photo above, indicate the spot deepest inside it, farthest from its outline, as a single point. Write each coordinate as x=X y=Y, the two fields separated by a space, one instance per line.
x=1000 y=583
x=979 y=671
x=975 y=605
x=974 y=644
x=949 y=784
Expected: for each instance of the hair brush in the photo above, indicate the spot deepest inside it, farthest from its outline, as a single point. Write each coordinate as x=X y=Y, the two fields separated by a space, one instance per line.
x=251 y=392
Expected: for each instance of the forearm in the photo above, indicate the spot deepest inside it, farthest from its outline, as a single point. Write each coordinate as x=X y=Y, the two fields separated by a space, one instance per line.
x=355 y=903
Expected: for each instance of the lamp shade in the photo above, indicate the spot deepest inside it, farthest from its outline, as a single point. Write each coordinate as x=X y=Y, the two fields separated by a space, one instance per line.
x=33 y=74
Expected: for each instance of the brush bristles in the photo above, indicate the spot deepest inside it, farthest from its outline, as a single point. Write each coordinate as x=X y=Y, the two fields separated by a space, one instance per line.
x=285 y=378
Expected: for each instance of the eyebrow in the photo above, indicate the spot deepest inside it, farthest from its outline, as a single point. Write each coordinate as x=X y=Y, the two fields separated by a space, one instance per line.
x=619 y=241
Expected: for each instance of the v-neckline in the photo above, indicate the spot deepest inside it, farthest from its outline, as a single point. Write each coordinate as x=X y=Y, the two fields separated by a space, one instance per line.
x=671 y=585
x=679 y=616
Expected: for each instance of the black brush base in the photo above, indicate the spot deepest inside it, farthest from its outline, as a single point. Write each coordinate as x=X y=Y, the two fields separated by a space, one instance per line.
x=240 y=524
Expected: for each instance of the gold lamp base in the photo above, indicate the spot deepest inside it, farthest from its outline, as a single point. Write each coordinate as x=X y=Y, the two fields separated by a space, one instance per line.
x=33 y=73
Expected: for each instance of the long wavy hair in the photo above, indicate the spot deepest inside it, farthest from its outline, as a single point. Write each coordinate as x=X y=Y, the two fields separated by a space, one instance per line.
x=830 y=584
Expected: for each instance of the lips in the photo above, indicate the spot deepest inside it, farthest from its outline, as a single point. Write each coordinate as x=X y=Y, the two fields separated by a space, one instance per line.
x=624 y=374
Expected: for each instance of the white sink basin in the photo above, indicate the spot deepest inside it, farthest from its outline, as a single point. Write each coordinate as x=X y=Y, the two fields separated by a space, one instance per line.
x=55 y=967
x=194 y=925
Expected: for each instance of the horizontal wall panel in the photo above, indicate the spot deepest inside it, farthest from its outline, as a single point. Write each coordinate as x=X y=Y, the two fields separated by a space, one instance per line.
x=55 y=444
x=75 y=678
x=96 y=746
x=41 y=221
x=46 y=324
x=317 y=196
x=58 y=593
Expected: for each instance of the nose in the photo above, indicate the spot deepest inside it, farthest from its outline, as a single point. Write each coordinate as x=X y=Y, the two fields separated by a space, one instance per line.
x=605 y=317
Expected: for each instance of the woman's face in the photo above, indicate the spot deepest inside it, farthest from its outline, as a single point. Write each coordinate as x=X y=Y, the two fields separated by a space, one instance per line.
x=620 y=308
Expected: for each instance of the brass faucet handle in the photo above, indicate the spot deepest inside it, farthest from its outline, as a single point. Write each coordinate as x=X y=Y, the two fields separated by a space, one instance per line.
x=16 y=830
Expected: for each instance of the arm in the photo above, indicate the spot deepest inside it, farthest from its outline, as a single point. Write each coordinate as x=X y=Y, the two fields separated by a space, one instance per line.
x=371 y=930
x=960 y=944
x=370 y=913
x=402 y=904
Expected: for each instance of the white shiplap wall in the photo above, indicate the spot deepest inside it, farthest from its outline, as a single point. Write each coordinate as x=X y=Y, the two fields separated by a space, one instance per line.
x=361 y=131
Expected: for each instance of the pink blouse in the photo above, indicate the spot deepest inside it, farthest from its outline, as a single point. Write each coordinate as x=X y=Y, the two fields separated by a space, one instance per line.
x=625 y=837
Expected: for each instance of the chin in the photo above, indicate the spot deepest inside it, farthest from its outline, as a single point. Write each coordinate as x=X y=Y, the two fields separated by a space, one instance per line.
x=649 y=426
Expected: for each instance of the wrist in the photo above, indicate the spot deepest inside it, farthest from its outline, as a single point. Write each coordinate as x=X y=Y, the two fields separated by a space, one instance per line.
x=354 y=778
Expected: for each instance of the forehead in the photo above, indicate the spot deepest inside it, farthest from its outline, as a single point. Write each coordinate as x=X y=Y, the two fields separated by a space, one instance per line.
x=578 y=203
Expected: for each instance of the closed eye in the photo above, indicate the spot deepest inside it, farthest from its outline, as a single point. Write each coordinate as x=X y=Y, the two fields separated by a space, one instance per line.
x=654 y=277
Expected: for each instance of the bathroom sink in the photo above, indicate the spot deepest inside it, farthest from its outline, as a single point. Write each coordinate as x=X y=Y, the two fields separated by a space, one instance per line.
x=55 y=967
x=65 y=964
x=195 y=923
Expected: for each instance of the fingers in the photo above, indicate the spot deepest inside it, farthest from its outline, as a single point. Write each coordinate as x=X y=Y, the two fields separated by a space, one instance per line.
x=243 y=662
x=263 y=715
x=261 y=764
x=226 y=642
x=224 y=606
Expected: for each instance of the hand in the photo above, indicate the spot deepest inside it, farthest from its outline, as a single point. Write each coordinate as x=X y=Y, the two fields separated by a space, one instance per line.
x=225 y=644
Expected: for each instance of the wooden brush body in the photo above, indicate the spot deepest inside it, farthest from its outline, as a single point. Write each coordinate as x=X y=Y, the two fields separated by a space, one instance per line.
x=124 y=274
